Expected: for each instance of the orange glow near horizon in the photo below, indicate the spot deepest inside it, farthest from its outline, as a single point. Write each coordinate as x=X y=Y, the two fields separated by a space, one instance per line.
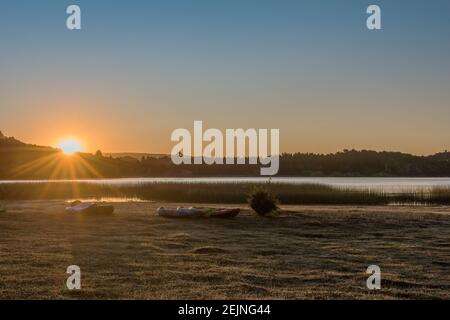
x=70 y=146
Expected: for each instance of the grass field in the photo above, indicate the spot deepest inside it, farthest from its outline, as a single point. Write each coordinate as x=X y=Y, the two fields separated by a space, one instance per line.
x=307 y=252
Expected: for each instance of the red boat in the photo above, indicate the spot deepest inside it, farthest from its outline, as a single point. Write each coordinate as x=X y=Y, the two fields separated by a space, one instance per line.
x=225 y=213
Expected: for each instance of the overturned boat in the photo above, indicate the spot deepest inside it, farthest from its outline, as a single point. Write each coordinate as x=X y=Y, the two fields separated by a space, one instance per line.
x=194 y=212
x=183 y=212
x=90 y=208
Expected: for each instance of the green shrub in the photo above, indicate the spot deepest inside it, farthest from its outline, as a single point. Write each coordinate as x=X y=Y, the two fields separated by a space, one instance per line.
x=262 y=202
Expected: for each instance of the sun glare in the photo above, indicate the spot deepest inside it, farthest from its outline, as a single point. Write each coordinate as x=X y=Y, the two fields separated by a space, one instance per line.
x=70 y=146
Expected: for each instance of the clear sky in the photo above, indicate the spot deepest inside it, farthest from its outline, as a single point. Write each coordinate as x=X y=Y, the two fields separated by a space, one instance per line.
x=140 y=69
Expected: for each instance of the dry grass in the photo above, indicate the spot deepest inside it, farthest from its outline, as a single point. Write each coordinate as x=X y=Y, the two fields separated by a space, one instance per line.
x=307 y=252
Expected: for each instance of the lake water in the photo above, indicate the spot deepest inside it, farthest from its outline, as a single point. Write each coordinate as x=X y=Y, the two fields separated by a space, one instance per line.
x=385 y=184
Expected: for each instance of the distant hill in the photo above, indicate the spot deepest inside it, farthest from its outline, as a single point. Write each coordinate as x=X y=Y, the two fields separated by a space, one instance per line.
x=19 y=160
x=442 y=156
x=11 y=142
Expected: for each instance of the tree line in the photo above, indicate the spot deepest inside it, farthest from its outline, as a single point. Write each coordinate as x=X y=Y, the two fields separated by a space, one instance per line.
x=23 y=161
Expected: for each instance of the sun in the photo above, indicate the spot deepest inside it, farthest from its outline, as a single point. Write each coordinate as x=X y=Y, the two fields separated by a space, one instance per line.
x=70 y=146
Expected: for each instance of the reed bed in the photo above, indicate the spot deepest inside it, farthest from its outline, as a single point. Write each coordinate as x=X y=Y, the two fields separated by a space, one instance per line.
x=221 y=193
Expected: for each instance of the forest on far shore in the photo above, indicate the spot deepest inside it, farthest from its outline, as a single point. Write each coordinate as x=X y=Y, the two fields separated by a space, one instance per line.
x=19 y=160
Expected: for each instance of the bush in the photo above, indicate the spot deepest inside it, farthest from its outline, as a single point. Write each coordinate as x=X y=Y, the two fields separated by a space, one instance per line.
x=263 y=202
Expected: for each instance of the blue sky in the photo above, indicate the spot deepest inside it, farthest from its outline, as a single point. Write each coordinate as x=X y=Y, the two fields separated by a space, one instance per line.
x=140 y=69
